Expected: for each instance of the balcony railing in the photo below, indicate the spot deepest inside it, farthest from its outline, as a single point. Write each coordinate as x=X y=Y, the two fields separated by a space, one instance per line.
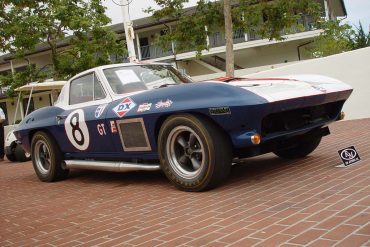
x=218 y=39
x=151 y=51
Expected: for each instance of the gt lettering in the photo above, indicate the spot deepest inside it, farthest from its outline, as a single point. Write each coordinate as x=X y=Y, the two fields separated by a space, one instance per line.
x=76 y=130
x=101 y=129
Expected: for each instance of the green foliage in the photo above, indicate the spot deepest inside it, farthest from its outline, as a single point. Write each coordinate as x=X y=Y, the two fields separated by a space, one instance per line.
x=72 y=29
x=267 y=18
x=334 y=39
x=30 y=74
x=337 y=38
x=360 y=39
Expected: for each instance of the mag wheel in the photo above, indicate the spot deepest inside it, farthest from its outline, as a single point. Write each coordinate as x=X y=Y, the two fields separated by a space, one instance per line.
x=302 y=149
x=195 y=154
x=46 y=158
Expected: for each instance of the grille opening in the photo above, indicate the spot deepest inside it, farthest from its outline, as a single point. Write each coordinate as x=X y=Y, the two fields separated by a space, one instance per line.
x=299 y=118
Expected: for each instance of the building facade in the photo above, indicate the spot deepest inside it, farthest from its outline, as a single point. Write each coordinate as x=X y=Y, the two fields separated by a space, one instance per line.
x=251 y=51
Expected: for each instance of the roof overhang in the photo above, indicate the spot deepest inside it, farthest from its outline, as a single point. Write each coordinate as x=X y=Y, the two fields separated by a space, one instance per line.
x=42 y=86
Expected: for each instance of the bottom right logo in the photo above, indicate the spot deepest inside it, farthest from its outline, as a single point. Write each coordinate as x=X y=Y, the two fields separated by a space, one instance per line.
x=349 y=156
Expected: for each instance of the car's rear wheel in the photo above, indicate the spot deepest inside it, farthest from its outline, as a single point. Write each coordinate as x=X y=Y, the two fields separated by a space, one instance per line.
x=195 y=154
x=47 y=158
x=303 y=148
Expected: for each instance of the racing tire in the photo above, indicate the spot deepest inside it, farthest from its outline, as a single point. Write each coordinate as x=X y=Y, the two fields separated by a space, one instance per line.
x=302 y=149
x=47 y=158
x=195 y=154
x=20 y=155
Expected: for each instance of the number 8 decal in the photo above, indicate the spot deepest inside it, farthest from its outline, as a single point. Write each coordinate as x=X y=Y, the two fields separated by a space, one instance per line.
x=76 y=130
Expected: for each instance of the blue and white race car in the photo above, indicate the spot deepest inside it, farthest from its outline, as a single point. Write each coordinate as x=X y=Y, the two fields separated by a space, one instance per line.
x=126 y=117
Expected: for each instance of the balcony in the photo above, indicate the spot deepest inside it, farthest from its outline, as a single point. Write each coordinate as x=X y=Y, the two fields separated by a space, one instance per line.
x=218 y=39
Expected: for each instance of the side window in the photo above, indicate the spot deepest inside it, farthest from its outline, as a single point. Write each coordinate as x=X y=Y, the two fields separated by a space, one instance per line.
x=85 y=88
x=98 y=90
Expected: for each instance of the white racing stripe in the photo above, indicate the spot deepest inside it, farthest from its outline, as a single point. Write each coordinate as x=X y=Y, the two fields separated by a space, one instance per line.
x=291 y=86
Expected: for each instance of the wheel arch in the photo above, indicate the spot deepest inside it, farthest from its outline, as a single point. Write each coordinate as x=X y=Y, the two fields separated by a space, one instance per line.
x=163 y=118
x=34 y=131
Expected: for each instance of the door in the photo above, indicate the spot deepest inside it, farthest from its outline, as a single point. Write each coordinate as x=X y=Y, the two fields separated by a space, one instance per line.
x=82 y=126
x=145 y=48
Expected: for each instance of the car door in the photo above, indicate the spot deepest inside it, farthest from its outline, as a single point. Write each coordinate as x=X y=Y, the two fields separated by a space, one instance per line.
x=82 y=125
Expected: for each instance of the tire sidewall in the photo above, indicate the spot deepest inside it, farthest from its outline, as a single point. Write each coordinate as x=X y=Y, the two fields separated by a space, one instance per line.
x=201 y=180
x=50 y=174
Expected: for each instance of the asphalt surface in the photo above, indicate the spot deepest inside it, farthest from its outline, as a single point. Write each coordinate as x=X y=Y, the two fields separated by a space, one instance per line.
x=266 y=201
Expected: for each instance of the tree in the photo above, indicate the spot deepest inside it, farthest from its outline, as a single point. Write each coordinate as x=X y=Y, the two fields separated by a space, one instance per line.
x=334 y=39
x=359 y=38
x=26 y=25
x=337 y=38
x=267 y=18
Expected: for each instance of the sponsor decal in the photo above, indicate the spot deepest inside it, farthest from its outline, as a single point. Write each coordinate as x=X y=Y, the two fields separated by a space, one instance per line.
x=76 y=129
x=124 y=107
x=349 y=156
x=144 y=107
x=219 y=110
x=163 y=104
x=113 y=127
x=99 y=110
x=101 y=129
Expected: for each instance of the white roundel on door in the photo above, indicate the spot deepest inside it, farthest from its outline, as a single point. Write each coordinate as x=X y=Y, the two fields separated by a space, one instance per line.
x=76 y=129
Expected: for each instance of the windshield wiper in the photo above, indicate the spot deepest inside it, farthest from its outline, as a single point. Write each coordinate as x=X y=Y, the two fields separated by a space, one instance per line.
x=165 y=85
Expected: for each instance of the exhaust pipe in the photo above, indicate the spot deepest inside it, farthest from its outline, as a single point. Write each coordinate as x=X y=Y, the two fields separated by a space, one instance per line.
x=111 y=166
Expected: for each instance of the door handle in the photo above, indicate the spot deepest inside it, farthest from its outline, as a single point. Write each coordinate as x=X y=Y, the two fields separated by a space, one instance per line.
x=60 y=117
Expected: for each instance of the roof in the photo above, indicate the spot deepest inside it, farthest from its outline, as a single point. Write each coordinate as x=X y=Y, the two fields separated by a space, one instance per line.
x=42 y=86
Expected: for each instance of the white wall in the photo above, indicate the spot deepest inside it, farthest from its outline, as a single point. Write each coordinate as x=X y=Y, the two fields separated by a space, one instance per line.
x=350 y=67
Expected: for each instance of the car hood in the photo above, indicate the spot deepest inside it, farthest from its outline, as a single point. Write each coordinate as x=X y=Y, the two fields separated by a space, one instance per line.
x=289 y=87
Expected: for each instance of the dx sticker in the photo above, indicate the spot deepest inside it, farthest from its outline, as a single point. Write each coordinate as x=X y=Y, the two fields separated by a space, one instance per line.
x=76 y=130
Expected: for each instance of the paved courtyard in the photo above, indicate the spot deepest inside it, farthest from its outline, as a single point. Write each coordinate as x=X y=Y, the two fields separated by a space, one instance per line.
x=266 y=201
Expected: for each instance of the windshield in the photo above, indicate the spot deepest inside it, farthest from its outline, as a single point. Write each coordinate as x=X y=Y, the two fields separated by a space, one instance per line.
x=127 y=79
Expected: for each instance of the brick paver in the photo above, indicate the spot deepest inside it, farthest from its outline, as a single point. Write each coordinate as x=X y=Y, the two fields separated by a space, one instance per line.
x=266 y=201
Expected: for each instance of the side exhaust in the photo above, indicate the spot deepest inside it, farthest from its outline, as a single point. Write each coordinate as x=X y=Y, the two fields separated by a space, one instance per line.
x=109 y=166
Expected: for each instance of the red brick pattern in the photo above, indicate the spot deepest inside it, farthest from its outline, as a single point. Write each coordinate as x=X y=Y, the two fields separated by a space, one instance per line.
x=266 y=201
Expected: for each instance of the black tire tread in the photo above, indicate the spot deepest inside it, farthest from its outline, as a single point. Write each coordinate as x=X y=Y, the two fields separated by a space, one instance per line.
x=302 y=149
x=20 y=154
x=11 y=157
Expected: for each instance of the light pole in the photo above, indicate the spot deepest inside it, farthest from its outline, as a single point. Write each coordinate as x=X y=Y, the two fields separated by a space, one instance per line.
x=129 y=30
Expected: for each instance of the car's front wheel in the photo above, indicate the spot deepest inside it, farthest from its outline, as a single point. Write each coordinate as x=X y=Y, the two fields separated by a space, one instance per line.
x=303 y=148
x=195 y=154
x=47 y=158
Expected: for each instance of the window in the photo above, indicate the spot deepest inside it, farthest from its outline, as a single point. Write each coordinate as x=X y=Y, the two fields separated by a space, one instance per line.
x=31 y=107
x=85 y=88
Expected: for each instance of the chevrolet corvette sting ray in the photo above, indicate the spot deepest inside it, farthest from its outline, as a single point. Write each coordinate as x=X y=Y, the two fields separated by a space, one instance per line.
x=125 y=117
